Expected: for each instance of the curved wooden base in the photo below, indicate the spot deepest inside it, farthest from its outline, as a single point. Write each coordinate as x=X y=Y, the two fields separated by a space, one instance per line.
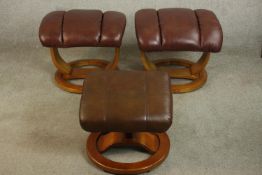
x=190 y=70
x=77 y=72
x=197 y=80
x=78 y=69
x=156 y=144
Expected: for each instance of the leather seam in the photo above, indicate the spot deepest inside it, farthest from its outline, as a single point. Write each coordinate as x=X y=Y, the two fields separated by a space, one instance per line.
x=101 y=29
x=160 y=30
x=146 y=101
x=106 y=90
x=62 y=29
x=199 y=28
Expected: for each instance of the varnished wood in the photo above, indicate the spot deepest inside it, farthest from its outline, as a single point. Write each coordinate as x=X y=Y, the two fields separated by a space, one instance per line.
x=115 y=62
x=201 y=63
x=148 y=141
x=59 y=62
x=193 y=85
x=78 y=69
x=192 y=71
x=147 y=64
x=156 y=144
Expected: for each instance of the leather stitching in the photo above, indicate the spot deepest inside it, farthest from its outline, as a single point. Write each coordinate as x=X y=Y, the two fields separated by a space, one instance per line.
x=106 y=96
x=160 y=30
x=199 y=29
x=62 y=29
x=146 y=100
x=101 y=28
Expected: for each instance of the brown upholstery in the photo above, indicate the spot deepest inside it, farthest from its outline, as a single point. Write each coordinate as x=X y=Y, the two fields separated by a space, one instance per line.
x=126 y=101
x=76 y=28
x=178 y=29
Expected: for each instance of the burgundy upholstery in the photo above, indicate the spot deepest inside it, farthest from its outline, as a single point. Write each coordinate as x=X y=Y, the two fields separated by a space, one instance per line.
x=126 y=101
x=178 y=29
x=77 y=28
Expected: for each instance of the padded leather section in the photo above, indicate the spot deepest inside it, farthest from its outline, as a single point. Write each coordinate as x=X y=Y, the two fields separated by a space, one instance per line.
x=80 y=28
x=211 y=31
x=147 y=29
x=50 y=33
x=126 y=101
x=180 y=30
x=113 y=28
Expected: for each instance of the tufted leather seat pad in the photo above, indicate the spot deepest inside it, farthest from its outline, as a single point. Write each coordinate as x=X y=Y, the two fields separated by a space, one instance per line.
x=178 y=29
x=126 y=101
x=76 y=28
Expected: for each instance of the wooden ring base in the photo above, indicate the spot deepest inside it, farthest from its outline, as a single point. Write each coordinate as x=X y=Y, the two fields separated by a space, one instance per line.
x=156 y=144
x=194 y=71
x=78 y=72
x=78 y=69
x=197 y=80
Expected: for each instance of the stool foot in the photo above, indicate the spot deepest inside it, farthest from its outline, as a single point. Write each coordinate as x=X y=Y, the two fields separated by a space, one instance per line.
x=156 y=144
x=78 y=72
x=195 y=72
x=197 y=80
x=78 y=69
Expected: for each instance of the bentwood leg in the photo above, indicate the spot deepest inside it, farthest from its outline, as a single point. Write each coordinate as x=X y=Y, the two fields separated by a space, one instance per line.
x=192 y=71
x=78 y=69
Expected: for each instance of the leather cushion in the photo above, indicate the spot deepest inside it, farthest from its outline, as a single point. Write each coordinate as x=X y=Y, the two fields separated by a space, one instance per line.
x=126 y=101
x=76 y=28
x=178 y=29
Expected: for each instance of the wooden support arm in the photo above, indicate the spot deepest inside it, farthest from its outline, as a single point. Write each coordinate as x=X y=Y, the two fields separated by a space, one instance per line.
x=59 y=62
x=115 y=62
x=200 y=64
x=147 y=64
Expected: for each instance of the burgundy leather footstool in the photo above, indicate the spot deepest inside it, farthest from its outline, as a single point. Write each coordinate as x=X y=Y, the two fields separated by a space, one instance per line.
x=179 y=29
x=127 y=108
x=81 y=28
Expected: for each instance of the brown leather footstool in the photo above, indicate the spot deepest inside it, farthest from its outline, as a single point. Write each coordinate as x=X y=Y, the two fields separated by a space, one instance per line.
x=179 y=29
x=127 y=108
x=81 y=28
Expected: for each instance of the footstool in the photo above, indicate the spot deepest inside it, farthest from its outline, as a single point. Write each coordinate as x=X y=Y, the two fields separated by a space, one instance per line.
x=179 y=29
x=127 y=108
x=81 y=28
